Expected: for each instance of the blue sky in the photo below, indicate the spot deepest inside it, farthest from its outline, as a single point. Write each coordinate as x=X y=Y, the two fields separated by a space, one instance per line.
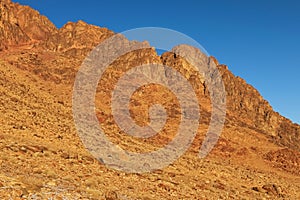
x=258 y=40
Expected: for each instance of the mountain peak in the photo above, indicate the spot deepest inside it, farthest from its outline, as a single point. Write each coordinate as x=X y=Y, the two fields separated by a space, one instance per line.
x=21 y=25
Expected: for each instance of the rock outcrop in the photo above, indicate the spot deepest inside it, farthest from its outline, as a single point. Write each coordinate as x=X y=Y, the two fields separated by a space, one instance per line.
x=248 y=108
x=20 y=25
x=77 y=39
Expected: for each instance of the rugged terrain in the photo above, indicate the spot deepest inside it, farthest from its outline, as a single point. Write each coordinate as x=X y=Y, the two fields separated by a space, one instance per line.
x=42 y=156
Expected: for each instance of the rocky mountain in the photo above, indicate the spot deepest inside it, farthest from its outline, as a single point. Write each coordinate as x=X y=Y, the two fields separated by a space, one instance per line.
x=22 y=25
x=42 y=156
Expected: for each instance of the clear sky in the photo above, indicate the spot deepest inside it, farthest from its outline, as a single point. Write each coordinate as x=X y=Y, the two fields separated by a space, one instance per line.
x=259 y=40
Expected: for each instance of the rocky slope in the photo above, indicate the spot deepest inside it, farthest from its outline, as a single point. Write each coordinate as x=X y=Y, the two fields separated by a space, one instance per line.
x=257 y=156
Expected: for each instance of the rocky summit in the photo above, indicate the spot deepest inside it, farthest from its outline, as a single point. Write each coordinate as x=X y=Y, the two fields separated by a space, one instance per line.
x=42 y=156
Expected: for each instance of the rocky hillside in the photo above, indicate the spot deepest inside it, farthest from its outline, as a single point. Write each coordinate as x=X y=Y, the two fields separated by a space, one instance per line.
x=257 y=155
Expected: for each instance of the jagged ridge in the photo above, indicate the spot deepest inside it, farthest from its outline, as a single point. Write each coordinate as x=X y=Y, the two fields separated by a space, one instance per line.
x=21 y=25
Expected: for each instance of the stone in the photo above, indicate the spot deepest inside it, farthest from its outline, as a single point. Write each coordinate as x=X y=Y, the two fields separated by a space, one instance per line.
x=272 y=189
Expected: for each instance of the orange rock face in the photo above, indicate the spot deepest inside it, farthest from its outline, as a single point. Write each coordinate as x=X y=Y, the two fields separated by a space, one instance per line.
x=43 y=157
